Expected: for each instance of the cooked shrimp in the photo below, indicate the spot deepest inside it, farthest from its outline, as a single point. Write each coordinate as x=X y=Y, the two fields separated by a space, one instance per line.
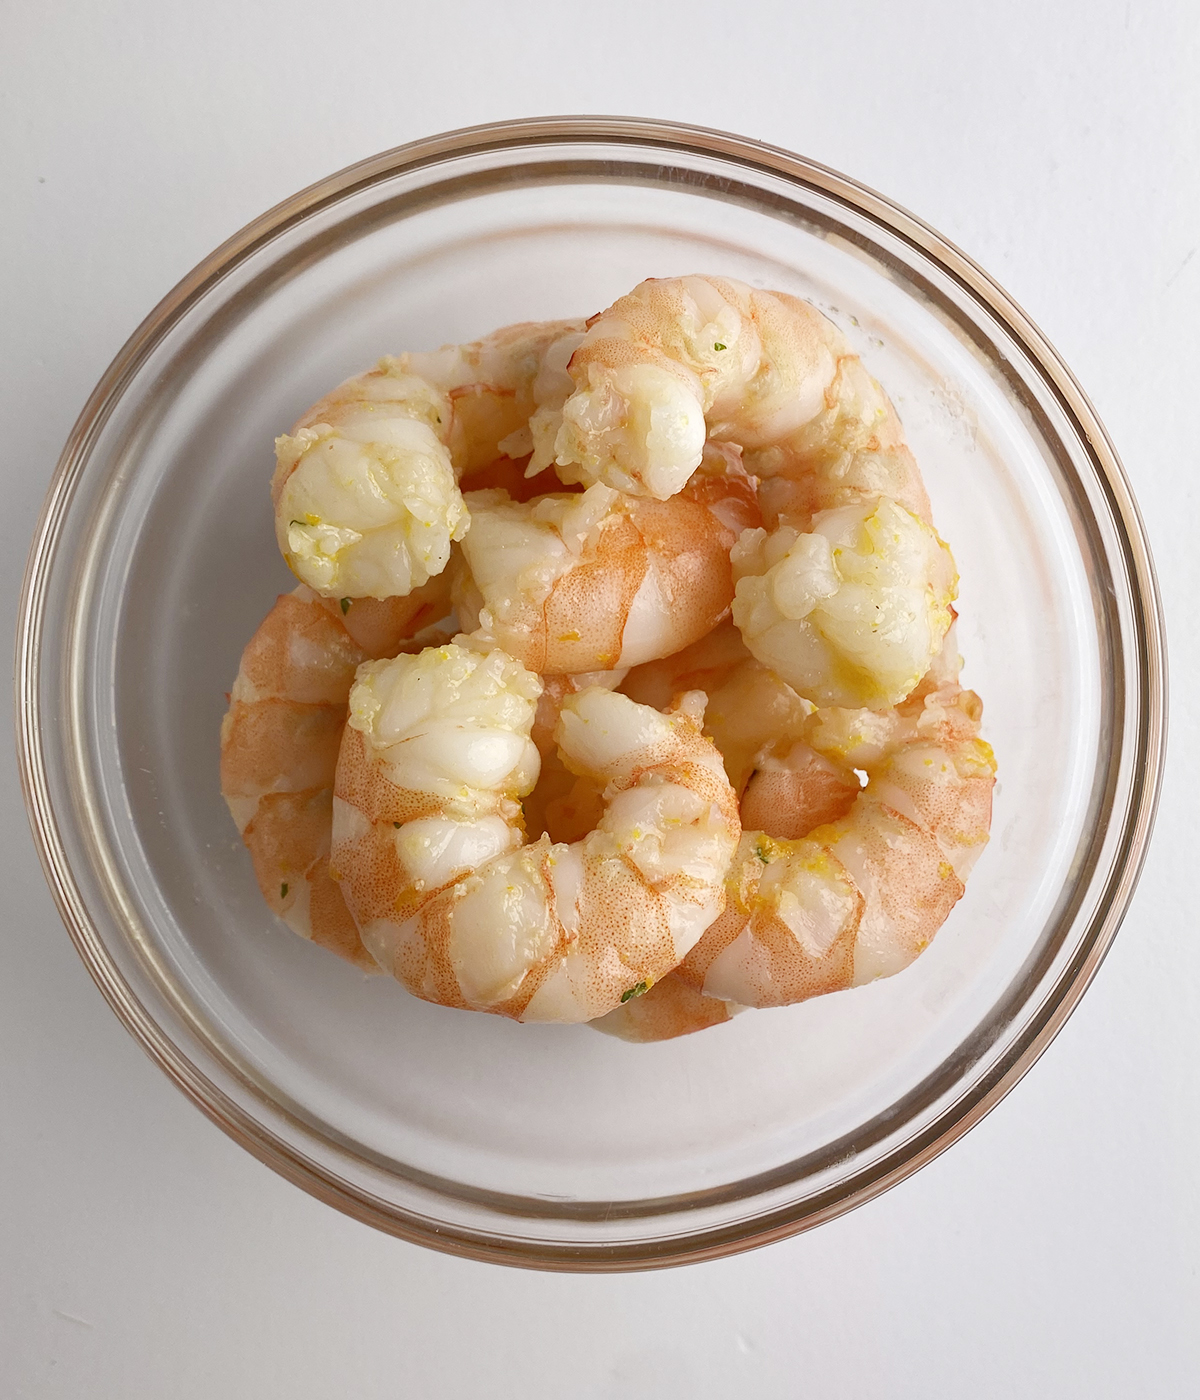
x=685 y=359
x=427 y=839
x=573 y=583
x=851 y=613
x=861 y=896
x=365 y=487
x=280 y=740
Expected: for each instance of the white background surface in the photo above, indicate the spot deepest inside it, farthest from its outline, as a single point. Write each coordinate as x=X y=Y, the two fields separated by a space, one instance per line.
x=1051 y=1253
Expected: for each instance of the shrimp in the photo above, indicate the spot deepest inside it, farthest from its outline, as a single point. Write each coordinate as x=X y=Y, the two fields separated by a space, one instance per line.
x=859 y=896
x=847 y=596
x=685 y=359
x=576 y=583
x=366 y=490
x=851 y=613
x=280 y=741
x=427 y=838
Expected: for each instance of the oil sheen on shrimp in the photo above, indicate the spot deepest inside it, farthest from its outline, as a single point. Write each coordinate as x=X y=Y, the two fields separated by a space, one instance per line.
x=365 y=487
x=576 y=583
x=860 y=896
x=280 y=740
x=427 y=838
x=685 y=359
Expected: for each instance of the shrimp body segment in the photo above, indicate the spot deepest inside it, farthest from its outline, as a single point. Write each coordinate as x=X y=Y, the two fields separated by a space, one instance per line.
x=861 y=896
x=280 y=741
x=427 y=838
x=851 y=613
x=669 y=1009
x=597 y=581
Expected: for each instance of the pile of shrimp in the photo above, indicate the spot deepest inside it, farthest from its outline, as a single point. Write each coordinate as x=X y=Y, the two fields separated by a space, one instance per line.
x=620 y=682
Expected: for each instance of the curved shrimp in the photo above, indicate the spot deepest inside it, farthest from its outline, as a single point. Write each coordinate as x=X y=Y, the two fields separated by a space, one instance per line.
x=848 y=596
x=576 y=583
x=684 y=359
x=427 y=839
x=792 y=790
x=860 y=896
x=365 y=487
x=280 y=739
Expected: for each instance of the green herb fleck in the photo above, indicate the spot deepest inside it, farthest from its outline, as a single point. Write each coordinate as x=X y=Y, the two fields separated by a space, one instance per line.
x=283 y=889
x=295 y=522
x=634 y=992
x=761 y=853
x=396 y=825
x=718 y=346
x=346 y=605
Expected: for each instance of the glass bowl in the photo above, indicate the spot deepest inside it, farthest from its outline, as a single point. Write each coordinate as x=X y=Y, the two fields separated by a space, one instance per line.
x=553 y=1146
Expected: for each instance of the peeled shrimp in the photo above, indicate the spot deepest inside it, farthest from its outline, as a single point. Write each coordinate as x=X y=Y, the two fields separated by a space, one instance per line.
x=848 y=596
x=427 y=839
x=576 y=583
x=859 y=896
x=851 y=613
x=685 y=359
x=365 y=487
x=280 y=740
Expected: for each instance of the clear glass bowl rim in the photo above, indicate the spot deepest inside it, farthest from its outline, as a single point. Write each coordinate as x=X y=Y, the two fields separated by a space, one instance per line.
x=1147 y=655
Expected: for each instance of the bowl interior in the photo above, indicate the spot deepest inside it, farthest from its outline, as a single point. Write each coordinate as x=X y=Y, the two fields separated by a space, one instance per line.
x=558 y=1134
